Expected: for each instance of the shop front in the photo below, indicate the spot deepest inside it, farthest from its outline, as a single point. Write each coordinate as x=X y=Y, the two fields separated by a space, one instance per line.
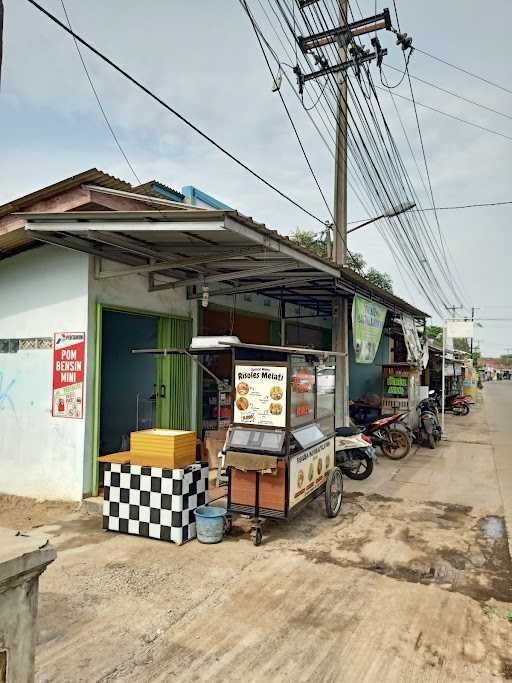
x=155 y=281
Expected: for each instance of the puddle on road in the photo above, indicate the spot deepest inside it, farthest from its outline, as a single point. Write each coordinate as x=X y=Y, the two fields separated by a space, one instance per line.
x=426 y=543
x=492 y=527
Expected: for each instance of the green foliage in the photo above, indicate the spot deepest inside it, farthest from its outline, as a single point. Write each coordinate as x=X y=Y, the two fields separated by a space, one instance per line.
x=317 y=244
x=382 y=280
x=311 y=240
x=356 y=262
x=434 y=331
x=461 y=344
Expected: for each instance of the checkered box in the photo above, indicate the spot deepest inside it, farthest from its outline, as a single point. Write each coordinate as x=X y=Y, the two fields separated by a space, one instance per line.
x=154 y=502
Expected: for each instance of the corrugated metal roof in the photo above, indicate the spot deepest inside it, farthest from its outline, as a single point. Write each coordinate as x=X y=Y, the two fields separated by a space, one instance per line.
x=349 y=282
x=93 y=175
x=147 y=188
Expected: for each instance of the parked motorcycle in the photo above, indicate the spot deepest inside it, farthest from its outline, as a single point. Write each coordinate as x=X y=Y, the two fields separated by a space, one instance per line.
x=355 y=455
x=428 y=430
x=455 y=403
x=394 y=442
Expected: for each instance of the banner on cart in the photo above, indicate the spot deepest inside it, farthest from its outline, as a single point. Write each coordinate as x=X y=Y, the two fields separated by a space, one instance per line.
x=68 y=374
x=309 y=470
x=367 y=323
x=260 y=395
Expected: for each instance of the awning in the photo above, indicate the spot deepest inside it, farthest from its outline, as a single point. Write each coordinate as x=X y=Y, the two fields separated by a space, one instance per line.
x=221 y=251
x=197 y=249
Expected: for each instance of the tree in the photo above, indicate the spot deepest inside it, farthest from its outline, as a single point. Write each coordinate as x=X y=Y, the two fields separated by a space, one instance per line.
x=379 y=279
x=312 y=241
x=317 y=243
x=461 y=344
x=434 y=331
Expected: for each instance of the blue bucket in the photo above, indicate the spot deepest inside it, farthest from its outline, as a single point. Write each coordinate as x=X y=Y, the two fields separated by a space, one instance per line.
x=210 y=523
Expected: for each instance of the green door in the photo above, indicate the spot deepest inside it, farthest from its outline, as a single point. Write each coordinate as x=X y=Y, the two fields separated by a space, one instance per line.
x=174 y=375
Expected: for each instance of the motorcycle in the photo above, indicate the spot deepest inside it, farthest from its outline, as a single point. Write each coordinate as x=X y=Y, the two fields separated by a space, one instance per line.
x=355 y=455
x=455 y=403
x=393 y=441
x=428 y=430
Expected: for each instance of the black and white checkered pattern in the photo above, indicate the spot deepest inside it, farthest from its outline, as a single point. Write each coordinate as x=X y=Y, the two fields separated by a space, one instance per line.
x=154 y=502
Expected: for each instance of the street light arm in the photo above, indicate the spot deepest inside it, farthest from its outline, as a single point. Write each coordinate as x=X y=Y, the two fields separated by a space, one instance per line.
x=396 y=211
x=361 y=225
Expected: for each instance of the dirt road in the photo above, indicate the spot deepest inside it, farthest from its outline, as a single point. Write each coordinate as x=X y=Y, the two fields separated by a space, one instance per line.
x=411 y=583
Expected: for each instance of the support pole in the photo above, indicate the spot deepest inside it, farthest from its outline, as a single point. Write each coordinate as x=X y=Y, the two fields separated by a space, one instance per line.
x=340 y=305
x=443 y=391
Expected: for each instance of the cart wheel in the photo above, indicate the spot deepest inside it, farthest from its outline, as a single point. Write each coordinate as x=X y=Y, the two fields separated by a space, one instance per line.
x=228 y=525
x=334 y=492
x=256 y=535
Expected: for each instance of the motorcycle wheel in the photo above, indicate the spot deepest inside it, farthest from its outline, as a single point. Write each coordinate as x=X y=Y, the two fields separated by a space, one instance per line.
x=362 y=471
x=464 y=409
x=431 y=441
x=399 y=447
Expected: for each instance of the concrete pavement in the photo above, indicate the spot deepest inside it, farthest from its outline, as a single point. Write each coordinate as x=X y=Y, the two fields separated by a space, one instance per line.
x=498 y=410
x=405 y=585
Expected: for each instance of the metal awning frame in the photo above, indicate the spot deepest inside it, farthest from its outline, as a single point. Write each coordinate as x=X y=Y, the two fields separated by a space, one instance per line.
x=200 y=250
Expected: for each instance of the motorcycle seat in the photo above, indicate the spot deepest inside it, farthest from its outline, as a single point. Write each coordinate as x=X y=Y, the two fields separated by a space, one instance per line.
x=347 y=431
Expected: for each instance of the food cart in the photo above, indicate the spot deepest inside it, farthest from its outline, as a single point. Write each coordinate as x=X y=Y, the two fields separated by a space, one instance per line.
x=280 y=448
x=280 y=445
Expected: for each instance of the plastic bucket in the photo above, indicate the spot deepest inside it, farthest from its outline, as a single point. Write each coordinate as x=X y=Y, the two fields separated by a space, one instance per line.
x=210 y=523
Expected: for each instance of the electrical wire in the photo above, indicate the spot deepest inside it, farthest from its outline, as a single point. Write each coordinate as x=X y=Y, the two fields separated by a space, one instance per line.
x=100 y=105
x=465 y=71
x=444 y=208
x=450 y=92
x=450 y=116
x=310 y=30
x=254 y=27
x=173 y=111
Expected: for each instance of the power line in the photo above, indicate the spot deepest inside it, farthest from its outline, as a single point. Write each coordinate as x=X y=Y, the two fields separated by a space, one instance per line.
x=256 y=33
x=465 y=71
x=444 y=208
x=95 y=92
x=447 y=92
x=173 y=111
x=444 y=113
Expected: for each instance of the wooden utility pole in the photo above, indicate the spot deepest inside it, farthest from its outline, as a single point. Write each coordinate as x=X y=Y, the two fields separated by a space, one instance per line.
x=340 y=305
x=343 y=35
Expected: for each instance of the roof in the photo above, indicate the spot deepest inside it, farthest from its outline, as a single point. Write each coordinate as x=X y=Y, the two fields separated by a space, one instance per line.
x=366 y=288
x=198 y=247
x=93 y=175
x=148 y=188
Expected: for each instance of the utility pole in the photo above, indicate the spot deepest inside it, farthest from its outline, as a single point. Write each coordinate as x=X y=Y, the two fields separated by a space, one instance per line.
x=340 y=308
x=473 y=309
x=343 y=35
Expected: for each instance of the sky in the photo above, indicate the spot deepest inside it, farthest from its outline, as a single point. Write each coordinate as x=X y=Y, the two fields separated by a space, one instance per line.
x=203 y=59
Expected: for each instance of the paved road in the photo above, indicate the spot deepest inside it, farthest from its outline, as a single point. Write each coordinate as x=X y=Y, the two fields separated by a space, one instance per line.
x=405 y=585
x=498 y=405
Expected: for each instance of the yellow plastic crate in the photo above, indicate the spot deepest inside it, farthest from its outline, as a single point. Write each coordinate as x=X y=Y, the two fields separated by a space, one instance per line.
x=173 y=448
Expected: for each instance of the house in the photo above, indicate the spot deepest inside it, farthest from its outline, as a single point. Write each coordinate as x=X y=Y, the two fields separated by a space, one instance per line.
x=92 y=268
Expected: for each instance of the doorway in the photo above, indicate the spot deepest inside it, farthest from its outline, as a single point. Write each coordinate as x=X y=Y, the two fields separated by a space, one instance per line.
x=137 y=391
x=128 y=381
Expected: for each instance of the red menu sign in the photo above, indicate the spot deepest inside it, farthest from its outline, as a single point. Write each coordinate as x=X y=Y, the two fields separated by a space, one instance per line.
x=68 y=374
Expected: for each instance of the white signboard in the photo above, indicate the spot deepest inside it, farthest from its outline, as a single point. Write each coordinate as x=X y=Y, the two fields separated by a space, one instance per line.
x=260 y=395
x=459 y=328
x=309 y=470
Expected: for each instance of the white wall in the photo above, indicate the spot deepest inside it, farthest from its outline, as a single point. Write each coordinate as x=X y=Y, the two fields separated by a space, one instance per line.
x=42 y=291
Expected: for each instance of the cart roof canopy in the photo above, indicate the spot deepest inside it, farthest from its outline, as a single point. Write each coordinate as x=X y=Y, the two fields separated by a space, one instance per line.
x=220 y=250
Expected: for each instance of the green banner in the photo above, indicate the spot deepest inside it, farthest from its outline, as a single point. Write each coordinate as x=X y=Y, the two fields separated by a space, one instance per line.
x=367 y=323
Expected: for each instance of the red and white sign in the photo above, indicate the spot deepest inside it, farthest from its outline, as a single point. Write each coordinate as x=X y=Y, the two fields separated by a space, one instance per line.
x=68 y=374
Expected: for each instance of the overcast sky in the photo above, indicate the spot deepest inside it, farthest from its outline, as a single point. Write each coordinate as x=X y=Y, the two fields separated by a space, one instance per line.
x=202 y=57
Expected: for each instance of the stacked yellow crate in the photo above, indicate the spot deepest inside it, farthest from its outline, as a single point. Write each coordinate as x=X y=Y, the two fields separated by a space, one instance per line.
x=166 y=448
